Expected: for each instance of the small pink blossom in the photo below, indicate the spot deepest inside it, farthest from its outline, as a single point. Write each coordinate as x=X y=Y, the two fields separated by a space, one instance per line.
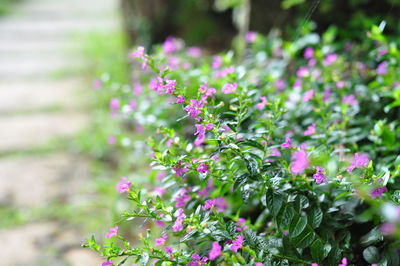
x=344 y=262
x=309 y=53
x=217 y=61
x=261 y=105
x=220 y=204
x=237 y=244
x=161 y=241
x=310 y=130
x=280 y=84
x=107 y=263
x=349 y=99
x=382 y=68
x=171 y=45
x=111 y=140
x=180 y=99
x=377 y=192
x=251 y=36
x=215 y=251
x=139 y=53
x=229 y=88
x=314 y=264
x=179 y=169
x=194 y=108
x=302 y=72
x=209 y=204
x=197 y=261
x=114 y=104
x=330 y=59
x=241 y=224
x=388 y=228
x=287 y=144
x=327 y=95
x=112 y=232
x=308 y=96
x=299 y=162
x=182 y=198
x=319 y=175
x=340 y=84
x=178 y=225
x=124 y=185
x=360 y=160
x=203 y=168
x=275 y=152
x=159 y=191
x=168 y=249
x=194 y=52
x=258 y=264
x=137 y=88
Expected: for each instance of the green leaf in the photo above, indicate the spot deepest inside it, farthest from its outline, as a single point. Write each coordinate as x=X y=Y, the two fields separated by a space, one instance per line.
x=304 y=239
x=391 y=256
x=297 y=226
x=319 y=251
x=300 y=203
x=251 y=165
x=371 y=254
x=240 y=181
x=287 y=214
x=315 y=217
x=372 y=237
x=274 y=202
x=286 y=4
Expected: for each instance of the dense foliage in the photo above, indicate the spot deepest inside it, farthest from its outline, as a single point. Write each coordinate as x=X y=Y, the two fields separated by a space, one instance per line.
x=289 y=156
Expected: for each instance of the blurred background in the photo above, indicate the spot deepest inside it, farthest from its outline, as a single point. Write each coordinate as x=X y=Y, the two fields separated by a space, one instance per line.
x=57 y=170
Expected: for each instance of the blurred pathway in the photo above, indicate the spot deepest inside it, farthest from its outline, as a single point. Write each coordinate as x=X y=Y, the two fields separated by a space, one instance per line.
x=42 y=108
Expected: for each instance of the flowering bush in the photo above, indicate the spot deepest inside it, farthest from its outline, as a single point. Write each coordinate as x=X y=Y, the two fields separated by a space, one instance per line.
x=287 y=157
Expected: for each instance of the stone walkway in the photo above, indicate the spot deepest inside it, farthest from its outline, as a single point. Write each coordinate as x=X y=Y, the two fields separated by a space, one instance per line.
x=40 y=113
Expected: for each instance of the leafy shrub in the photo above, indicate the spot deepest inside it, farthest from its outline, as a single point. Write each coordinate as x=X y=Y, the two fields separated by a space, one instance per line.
x=287 y=157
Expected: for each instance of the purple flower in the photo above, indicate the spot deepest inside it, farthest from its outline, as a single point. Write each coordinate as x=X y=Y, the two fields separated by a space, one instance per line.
x=262 y=104
x=314 y=264
x=203 y=168
x=178 y=225
x=209 y=204
x=330 y=59
x=388 y=228
x=327 y=95
x=308 y=96
x=299 y=162
x=114 y=104
x=107 y=263
x=344 y=262
x=302 y=72
x=241 y=225
x=340 y=84
x=197 y=261
x=360 y=160
x=171 y=45
x=275 y=152
x=382 y=52
x=260 y=264
x=217 y=61
x=161 y=241
x=170 y=86
x=111 y=140
x=287 y=144
x=310 y=130
x=180 y=99
x=382 y=68
x=124 y=185
x=194 y=52
x=215 y=251
x=182 y=198
x=220 y=204
x=349 y=99
x=139 y=53
x=319 y=175
x=308 y=53
x=237 y=244
x=280 y=84
x=229 y=88
x=168 y=249
x=112 y=232
x=193 y=108
x=251 y=36
x=377 y=192
x=179 y=169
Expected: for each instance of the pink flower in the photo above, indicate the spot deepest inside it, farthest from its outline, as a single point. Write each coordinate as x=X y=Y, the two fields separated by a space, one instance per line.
x=112 y=232
x=302 y=72
x=170 y=86
x=327 y=95
x=359 y=161
x=251 y=36
x=229 y=88
x=114 y=104
x=314 y=264
x=182 y=198
x=159 y=223
x=224 y=72
x=137 y=88
x=241 y=225
x=310 y=130
x=161 y=241
x=299 y=162
x=275 y=152
x=194 y=108
x=280 y=84
x=157 y=84
x=215 y=251
x=344 y=262
x=330 y=59
x=97 y=84
x=124 y=185
x=308 y=96
x=287 y=144
x=340 y=84
x=179 y=169
x=180 y=99
x=388 y=229
x=319 y=175
x=111 y=140
x=171 y=45
x=178 y=225
x=237 y=244
x=382 y=52
x=349 y=99
x=308 y=53
x=159 y=191
x=262 y=104
x=197 y=261
x=217 y=61
x=139 y=53
x=382 y=68
x=168 y=249
x=107 y=263
x=258 y=264
x=220 y=204
x=203 y=168
x=194 y=52
x=377 y=192
x=209 y=204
